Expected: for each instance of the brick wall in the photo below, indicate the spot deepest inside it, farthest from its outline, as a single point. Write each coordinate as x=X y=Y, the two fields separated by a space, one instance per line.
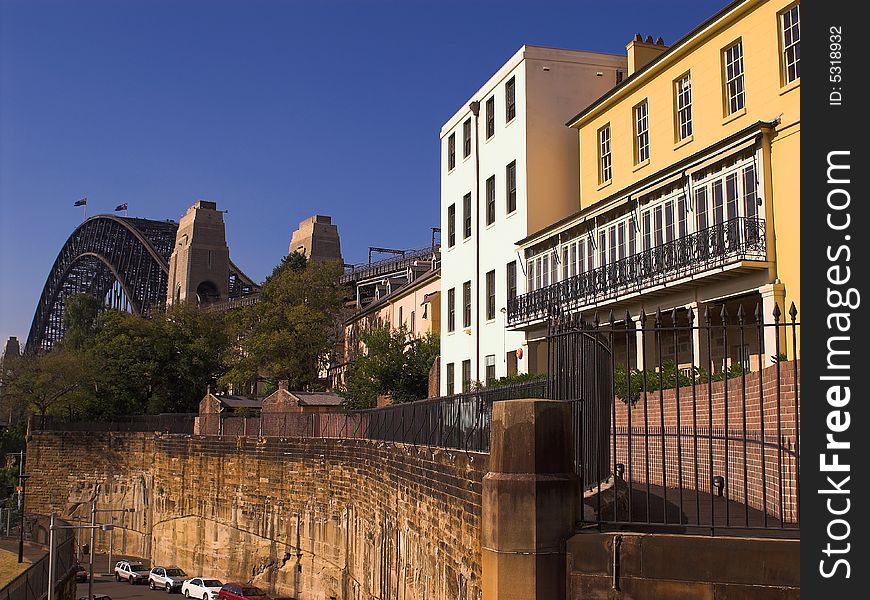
x=363 y=519
x=688 y=456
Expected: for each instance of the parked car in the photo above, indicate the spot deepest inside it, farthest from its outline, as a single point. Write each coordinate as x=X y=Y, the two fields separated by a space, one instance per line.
x=166 y=578
x=201 y=587
x=131 y=572
x=241 y=591
x=97 y=597
x=81 y=573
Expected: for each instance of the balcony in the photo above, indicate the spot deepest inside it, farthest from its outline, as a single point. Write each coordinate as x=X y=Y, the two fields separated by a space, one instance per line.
x=738 y=239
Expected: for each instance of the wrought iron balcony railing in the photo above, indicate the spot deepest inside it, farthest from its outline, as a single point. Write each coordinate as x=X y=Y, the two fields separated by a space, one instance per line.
x=741 y=238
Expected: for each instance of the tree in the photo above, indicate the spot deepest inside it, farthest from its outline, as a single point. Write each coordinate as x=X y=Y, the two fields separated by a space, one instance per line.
x=394 y=363
x=44 y=383
x=80 y=320
x=163 y=364
x=290 y=333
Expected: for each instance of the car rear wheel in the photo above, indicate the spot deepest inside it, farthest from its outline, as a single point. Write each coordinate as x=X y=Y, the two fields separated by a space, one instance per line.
x=131 y=580
x=151 y=584
x=205 y=597
x=187 y=593
x=168 y=588
x=117 y=577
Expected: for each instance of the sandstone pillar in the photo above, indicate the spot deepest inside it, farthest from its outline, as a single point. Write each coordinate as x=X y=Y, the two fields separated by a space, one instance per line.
x=530 y=501
x=773 y=295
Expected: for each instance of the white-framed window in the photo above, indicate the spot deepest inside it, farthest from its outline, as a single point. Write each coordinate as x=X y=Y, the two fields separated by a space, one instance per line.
x=735 y=94
x=790 y=30
x=490 y=117
x=605 y=164
x=729 y=192
x=641 y=132
x=683 y=104
x=489 y=368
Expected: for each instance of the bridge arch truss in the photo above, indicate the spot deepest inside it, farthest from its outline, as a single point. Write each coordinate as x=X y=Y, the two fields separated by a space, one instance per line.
x=122 y=261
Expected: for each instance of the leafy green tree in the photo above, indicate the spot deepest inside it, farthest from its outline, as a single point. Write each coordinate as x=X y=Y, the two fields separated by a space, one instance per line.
x=164 y=364
x=394 y=363
x=80 y=320
x=291 y=332
x=47 y=383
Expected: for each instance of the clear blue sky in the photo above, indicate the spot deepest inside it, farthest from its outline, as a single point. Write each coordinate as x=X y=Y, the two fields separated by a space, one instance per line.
x=275 y=110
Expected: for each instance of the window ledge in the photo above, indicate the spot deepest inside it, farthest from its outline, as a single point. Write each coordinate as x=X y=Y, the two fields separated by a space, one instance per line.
x=684 y=142
x=734 y=116
x=640 y=165
x=790 y=86
x=601 y=186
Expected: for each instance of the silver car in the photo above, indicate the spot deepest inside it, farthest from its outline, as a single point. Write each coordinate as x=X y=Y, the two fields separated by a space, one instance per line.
x=166 y=578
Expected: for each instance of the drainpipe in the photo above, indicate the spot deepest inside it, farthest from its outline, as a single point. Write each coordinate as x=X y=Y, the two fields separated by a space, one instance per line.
x=475 y=110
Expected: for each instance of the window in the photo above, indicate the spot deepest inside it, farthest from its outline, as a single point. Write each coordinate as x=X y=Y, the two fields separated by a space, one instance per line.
x=451 y=225
x=734 y=92
x=466 y=375
x=682 y=217
x=490 y=117
x=413 y=323
x=683 y=103
x=466 y=138
x=451 y=379
x=451 y=309
x=466 y=216
x=490 y=295
x=701 y=208
x=669 y=221
x=489 y=361
x=511 y=187
x=613 y=256
x=490 y=200
x=451 y=152
x=790 y=29
x=466 y=304
x=750 y=192
x=511 y=278
x=510 y=100
x=641 y=132
x=401 y=318
x=605 y=169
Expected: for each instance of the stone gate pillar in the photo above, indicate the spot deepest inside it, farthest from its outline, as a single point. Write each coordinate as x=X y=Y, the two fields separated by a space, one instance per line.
x=530 y=501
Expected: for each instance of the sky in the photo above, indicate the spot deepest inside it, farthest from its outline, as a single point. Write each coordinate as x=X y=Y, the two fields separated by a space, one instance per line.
x=276 y=110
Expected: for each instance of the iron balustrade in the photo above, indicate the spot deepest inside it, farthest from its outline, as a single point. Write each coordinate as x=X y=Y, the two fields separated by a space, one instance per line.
x=741 y=238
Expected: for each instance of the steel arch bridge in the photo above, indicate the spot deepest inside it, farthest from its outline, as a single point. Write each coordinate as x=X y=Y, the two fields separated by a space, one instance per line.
x=122 y=261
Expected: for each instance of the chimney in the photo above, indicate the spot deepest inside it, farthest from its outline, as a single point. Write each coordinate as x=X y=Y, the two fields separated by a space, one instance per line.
x=642 y=51
x=283 y=384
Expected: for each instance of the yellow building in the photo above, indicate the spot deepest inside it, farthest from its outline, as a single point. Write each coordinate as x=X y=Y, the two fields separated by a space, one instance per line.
x=689 y=182
x=414 y=306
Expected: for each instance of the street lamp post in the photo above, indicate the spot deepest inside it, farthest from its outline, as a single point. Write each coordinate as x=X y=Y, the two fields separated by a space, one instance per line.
x=51 y=558
x=22 y=479
x=94 y=511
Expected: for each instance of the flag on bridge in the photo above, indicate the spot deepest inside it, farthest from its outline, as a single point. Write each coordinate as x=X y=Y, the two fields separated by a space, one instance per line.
x=82 y=202
x=121 y=207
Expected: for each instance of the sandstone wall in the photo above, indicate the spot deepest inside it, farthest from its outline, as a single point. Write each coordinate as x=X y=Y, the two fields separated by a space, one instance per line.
x=353 y=519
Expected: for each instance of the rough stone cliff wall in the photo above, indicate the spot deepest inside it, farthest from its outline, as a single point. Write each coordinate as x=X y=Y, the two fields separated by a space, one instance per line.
x=314 y=519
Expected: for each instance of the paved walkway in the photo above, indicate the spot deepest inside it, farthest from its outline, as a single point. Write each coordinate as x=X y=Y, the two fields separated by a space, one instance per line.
x=31 y=551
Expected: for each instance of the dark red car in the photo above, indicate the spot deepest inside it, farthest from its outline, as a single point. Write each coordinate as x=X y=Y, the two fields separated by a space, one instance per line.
x=241 y=591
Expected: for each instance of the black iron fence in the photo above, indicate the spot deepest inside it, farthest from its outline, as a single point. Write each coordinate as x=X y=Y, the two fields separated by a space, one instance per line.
x=740 y=238
x=699 y=420
x=461 y=421
x=32 y=584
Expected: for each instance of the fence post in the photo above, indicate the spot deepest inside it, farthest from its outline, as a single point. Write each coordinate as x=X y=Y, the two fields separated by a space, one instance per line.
x=530 y=501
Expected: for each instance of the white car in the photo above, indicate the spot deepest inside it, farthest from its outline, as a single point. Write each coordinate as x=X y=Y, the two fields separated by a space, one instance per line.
x=201 y=588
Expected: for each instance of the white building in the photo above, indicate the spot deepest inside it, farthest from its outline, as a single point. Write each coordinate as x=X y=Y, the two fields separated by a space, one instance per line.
x=509 y=167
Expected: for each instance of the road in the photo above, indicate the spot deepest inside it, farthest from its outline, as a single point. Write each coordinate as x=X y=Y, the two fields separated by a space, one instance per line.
x=106 y=584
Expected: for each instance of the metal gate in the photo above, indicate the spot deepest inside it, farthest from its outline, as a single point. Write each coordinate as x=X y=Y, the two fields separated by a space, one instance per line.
x=580 y=371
